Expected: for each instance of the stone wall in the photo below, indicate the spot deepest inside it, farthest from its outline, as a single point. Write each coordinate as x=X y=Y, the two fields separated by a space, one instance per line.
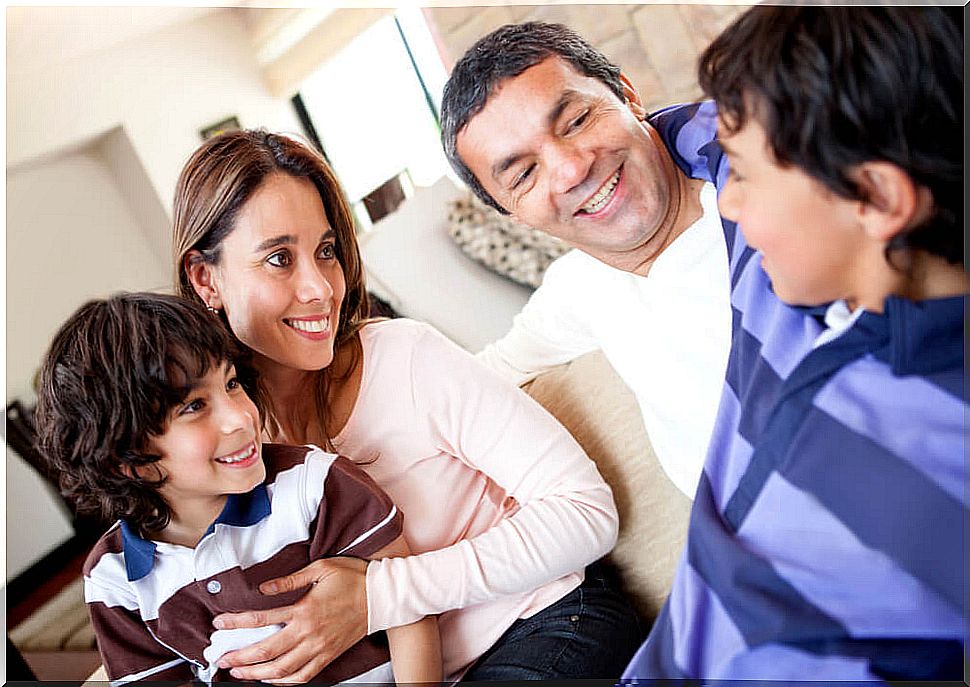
x=656 y=45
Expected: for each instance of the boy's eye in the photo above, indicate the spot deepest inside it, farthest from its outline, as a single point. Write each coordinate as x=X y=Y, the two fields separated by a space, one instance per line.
x=233 y=384
x=279 y=259
x=191 y=407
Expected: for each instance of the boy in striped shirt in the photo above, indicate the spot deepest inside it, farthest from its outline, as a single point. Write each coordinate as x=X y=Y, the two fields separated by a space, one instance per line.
x=143 y=413
x=826 y=537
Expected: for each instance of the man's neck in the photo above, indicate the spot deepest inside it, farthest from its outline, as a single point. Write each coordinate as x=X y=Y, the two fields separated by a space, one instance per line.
x=685 y=210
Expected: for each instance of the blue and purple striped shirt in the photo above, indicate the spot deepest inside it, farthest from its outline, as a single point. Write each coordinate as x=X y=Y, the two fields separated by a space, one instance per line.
x=826 y=539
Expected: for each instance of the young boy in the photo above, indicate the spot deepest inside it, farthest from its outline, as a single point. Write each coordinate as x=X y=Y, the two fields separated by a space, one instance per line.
x=826 y=537
x=142 y=411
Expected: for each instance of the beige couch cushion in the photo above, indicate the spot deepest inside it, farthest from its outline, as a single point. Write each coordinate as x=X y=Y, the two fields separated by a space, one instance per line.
x=593 y=403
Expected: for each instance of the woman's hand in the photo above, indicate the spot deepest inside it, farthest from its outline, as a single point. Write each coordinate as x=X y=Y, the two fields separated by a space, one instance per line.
x=327 y=621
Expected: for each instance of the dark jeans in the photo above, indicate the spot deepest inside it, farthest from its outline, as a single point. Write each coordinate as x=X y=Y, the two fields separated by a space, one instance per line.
x=592 y=632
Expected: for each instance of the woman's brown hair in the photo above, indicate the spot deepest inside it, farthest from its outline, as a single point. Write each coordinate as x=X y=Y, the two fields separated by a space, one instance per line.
x=218 y=179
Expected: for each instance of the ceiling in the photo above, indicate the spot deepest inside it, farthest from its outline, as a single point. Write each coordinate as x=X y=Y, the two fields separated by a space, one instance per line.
x=40 y=36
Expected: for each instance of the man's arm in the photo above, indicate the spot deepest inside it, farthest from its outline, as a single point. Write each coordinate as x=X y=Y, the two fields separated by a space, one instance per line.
x=553 y=328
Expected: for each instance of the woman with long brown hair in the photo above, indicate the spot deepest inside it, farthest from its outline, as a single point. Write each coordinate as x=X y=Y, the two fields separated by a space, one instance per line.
x=501 y=506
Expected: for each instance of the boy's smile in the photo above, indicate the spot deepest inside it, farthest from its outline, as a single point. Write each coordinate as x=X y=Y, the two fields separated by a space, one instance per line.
x=242 y=458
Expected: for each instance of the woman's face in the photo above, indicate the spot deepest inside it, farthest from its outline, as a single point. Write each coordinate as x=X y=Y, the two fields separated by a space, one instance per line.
x=278 y=278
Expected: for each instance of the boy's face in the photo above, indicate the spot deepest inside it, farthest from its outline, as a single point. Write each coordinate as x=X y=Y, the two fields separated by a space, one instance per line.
x=811 y=240
x=211 y=445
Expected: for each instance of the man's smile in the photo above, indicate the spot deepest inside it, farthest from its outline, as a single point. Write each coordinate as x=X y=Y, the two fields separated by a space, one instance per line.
x=601 y=198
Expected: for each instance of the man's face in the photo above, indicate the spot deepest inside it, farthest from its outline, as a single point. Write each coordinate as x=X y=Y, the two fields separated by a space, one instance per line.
x=565 y=155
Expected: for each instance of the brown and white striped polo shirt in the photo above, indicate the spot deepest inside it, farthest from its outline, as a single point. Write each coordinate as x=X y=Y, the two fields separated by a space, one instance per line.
x=152 y=603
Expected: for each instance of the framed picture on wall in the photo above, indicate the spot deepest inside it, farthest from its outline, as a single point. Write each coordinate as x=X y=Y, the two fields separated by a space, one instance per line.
x=220 y=127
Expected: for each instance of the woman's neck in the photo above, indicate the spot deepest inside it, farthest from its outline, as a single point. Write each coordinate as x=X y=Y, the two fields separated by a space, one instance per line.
x=292 y=396
x=292 y=405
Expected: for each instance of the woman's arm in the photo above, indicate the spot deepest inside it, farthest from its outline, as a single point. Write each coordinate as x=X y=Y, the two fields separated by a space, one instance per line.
x=317 y=630
x=566 y=517
x=329 y=619
x=415 y=648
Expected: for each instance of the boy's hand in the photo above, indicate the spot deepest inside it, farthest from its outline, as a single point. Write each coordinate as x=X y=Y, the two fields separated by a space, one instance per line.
x=327 y=621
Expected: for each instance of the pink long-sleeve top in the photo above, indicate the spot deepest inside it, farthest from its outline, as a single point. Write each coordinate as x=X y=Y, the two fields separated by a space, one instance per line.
x=502 y=507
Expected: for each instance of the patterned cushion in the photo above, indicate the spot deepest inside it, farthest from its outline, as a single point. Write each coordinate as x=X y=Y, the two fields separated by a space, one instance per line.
x=511 y=249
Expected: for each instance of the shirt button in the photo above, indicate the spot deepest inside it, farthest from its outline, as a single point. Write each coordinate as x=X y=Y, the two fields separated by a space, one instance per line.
x=213 y=587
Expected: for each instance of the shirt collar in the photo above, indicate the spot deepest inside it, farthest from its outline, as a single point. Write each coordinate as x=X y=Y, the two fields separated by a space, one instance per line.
x=914 y=337
x=240 y=510
x=925 y=336
x=139 y=553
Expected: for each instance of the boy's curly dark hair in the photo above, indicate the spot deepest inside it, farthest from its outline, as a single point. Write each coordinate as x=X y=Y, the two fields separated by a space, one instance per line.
x=112 y=375
x=834 y=87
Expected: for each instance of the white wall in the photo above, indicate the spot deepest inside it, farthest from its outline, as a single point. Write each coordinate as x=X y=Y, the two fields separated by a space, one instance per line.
x=36 y=520
x=162 y=88
x=71 y=236
x=95 y=141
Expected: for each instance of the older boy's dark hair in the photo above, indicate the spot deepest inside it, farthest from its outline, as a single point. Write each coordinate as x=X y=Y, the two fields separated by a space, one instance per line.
x=112 y=375
x=505 y=53
x=834 y=87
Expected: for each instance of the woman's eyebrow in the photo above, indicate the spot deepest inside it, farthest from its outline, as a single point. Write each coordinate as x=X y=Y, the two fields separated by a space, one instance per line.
x=289 y=240
x=274 y=241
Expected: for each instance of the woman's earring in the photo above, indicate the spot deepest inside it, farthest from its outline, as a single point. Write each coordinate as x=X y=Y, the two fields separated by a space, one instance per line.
x=212 y=310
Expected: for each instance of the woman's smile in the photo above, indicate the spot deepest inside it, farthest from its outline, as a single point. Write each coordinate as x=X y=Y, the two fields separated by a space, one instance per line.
x=316 y=327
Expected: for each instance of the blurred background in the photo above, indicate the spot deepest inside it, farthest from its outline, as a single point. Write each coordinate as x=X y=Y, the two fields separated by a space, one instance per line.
x=104 y=105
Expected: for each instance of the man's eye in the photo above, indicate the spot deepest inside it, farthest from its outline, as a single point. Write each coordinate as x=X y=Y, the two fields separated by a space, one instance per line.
x=523 y=176
x=578 y=122
x=328 y=251
x=279 y=259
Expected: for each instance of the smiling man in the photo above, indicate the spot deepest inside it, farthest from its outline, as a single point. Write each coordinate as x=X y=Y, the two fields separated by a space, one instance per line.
x=543 y=127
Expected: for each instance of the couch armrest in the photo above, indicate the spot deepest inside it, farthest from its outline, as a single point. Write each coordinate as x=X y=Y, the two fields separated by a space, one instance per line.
x=411 y=262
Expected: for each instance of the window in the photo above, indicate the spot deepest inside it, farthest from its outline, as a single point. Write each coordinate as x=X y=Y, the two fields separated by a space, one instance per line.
x=374 y=107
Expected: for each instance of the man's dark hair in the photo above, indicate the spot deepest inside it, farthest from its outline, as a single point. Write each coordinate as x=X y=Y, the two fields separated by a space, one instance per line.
x=113 y=373
x=505 y=53
x=834 y=87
